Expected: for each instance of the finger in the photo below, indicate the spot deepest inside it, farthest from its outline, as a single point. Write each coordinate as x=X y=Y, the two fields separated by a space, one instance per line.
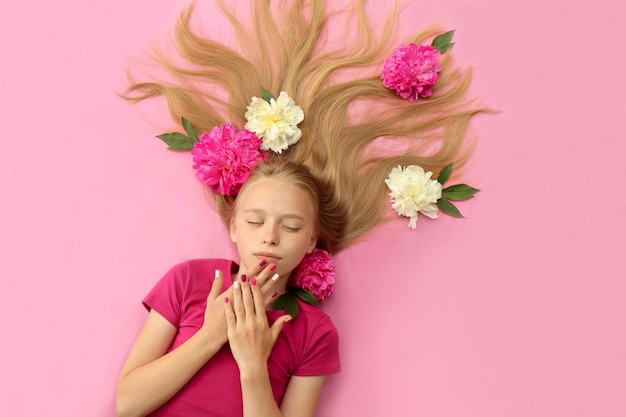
x=278 y=326
x=228 y=292
x=258 y=271
x=229 y=313
x=216 y=287
x=259 y=302
x=270 y=298
x=264 y=275
x=267 y=286
x=246 y=296
x=238 y=302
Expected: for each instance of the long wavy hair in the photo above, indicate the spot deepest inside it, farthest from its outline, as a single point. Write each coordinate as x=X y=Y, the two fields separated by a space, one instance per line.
x=355 y=130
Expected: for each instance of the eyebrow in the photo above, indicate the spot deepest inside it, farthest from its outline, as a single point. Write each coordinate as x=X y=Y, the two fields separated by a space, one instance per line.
x=286 y=216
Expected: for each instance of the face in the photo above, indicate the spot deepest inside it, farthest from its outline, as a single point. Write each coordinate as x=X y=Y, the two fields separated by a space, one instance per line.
x=274 y=221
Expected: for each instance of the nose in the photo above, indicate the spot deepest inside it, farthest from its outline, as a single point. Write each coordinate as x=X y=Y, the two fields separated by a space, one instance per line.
x=270 y=234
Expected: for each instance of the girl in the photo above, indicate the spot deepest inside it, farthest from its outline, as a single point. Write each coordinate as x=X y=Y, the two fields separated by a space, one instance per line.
x=181 y=361
x=217 y=347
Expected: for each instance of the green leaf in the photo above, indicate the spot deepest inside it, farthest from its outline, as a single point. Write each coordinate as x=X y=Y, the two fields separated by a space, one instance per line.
x=445 y=173
x=459 y=192
x=446 y=48
x=177 y=141
x=307 y=297
x=190 y=130
x=288 y=303
x=266 y=95
x=442 y=42
x=449 y=208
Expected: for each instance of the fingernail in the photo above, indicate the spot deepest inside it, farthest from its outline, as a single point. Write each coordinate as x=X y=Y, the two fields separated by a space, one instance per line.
x=275 y=277
x=262 y=263
x=272 y=267
x=217 y=273
x=236 y=285
x=252 y=281
x=274 y=294
x=288 y=319
x=243 y=277
x=226 y=300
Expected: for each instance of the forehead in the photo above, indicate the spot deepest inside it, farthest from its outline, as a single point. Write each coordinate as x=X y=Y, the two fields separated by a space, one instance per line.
x=276 y=197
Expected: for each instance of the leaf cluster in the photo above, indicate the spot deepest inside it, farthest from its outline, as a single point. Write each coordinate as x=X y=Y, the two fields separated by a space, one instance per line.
x=289 y=302
x=442 y=42
x=177 y=141
x=458 y=192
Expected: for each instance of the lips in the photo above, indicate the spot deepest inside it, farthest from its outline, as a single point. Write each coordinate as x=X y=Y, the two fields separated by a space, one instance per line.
x=267 y=256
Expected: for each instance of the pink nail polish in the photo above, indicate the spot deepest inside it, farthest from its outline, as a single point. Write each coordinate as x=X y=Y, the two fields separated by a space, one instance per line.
x=226 y=300
x=243 y=278
x=272 y=267
x=262 y=263
x=252 y=281
x=274 y=294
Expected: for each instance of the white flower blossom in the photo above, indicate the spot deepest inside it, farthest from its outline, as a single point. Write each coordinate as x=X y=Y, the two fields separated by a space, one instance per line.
x=275 y=122
x=413 y=191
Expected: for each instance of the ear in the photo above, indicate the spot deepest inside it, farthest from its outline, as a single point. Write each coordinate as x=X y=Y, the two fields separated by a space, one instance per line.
x=233 y=230
x=312 y=243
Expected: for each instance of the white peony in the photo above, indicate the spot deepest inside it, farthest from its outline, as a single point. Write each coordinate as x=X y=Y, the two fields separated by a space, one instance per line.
x=276 y=122
x=413 y=191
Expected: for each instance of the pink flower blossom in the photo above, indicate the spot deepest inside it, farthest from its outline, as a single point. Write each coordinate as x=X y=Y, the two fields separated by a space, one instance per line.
x=412 y=71
x=224 y=158
x=316 y=274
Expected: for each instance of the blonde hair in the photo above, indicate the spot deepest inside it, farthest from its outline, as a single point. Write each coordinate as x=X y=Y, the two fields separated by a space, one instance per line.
x=355 y=130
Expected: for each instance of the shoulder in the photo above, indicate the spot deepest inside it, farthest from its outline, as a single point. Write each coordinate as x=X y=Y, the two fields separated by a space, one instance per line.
x=313 y=313
x=185 y=278
x=314 y=341
x=192 y=266
x=314 y=324
x=186 y=271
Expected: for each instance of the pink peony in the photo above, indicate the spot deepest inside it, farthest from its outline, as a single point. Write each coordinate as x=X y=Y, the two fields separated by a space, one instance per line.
x=224 y=157
x=412 y=71
x=316 y=274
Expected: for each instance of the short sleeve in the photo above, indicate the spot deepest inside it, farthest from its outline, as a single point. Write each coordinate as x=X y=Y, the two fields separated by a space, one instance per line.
x=165 y=298
x=322 y=351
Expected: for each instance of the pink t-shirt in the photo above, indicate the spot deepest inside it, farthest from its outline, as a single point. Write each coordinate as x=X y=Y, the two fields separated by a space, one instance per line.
x=307 y=346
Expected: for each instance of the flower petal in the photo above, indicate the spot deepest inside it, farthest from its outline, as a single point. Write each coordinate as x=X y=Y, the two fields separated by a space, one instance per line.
x=412 y=71
x=412 y=192
x=224 y=158
x=316 y=274
x=275 y=122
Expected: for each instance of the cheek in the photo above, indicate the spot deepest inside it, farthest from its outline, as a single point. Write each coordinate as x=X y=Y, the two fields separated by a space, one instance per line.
x=307 y=243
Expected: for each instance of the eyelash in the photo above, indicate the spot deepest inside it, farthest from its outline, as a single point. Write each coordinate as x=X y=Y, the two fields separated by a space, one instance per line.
x=290 y=229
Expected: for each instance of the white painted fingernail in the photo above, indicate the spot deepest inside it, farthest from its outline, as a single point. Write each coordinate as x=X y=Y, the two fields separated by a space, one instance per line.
x=236 y=285
x=217 y=273
x=275 y=277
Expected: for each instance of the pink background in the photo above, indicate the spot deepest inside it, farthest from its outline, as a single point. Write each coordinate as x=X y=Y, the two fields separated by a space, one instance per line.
x=518 y=310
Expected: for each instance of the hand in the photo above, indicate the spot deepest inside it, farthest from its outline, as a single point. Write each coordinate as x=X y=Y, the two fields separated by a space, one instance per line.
x=214 y=319
x=214 y=325
x=251 y=339
x=266 y=280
